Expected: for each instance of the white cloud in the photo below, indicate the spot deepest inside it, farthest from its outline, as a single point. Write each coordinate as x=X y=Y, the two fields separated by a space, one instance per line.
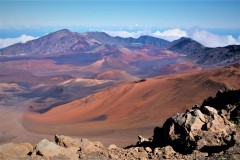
x=4 y=42
x=171 y=34
x=212 y=40
x=204 y=37
x=126 y=34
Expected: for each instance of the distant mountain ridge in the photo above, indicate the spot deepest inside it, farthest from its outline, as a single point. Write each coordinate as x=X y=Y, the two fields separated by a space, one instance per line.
x=205 y=55
x=107 y=39
x=65 y=42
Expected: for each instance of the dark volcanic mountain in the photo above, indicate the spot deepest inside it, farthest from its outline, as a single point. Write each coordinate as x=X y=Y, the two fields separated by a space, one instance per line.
x=185 y=46
x=220 y=55
x=205 y=55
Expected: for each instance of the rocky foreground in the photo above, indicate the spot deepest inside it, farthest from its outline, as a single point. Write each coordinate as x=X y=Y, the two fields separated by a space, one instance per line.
x=209 y=131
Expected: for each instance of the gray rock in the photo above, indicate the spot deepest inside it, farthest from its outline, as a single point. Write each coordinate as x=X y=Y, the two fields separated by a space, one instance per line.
x=209 y=110
x=200 y=115
x=99 y=145
x=15 y=151
x=168 y=152
x=217 y=124
x=84 y=144
x=142 y=139
x=197 y=129
x=194 y=123
x=112 y=146
x=158 y=151
x=148 y=149
x=66 y=141
x=49 y=150
x=93 y=156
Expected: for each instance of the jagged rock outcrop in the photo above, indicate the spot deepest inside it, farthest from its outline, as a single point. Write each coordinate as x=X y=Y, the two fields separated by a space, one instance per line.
x=205 y=132
x=198 y=129
x=227 y=103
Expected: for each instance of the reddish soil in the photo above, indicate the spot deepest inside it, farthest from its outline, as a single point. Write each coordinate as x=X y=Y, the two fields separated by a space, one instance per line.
x=117 y=115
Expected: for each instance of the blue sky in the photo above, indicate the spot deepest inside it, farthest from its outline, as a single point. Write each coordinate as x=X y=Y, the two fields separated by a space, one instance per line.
x=36 y=18
x=161 y=13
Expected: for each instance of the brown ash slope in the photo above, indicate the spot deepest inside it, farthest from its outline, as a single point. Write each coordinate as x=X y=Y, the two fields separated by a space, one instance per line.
x=132 y=107
x=203 y=132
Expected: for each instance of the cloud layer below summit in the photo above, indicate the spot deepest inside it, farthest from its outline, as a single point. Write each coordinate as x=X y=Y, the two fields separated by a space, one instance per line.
x=4 y=42
x=204 y=37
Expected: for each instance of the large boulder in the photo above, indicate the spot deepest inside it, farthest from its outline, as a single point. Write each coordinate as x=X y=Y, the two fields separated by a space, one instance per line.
x=50 y=150
x=197 y=129
x=84 y=145
x=209 y=130
x=87 y=149
x=15 y=151
x=66 y=141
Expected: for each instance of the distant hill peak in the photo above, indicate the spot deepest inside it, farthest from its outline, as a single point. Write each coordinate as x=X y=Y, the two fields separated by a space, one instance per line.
x=97 y=34
x=187 y=40
x=184 y=38
x=185 y=45
x=146 y=36
x=63 y=32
